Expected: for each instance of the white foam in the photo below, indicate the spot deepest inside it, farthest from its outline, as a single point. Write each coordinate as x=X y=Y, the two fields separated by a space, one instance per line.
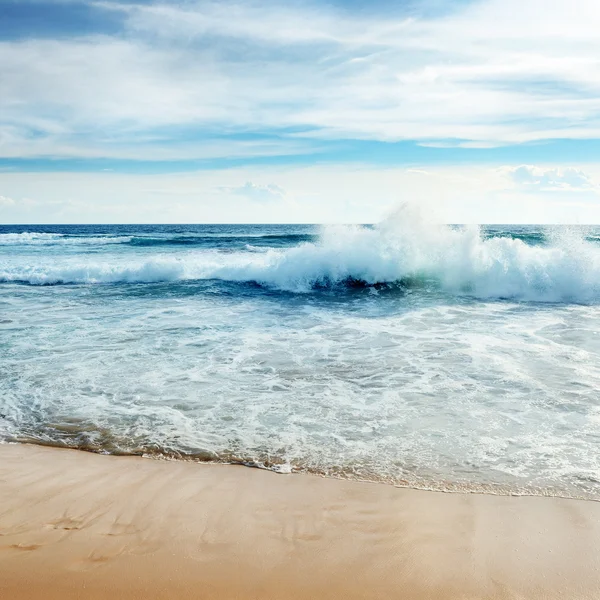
x=487 y=393
x=51 y=239
x=404 y=247
x=28 y=237
x=95 y=272
x=458 y=260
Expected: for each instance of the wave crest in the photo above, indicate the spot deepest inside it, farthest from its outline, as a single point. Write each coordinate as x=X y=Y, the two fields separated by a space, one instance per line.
x=204 y=239
x=404 y=248
x=53 y=239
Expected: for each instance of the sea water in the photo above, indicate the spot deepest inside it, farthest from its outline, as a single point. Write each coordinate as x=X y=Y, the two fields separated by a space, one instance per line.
x=444 y=357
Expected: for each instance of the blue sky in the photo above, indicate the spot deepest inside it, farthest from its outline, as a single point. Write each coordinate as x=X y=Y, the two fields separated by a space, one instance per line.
x=253 y=89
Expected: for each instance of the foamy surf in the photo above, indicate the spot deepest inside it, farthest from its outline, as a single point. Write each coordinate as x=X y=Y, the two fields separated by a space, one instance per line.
x=455 y=358
x=406 y=252
x=52 y=239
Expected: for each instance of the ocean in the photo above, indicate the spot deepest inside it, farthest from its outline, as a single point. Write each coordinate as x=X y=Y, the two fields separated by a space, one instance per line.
x=417 y=354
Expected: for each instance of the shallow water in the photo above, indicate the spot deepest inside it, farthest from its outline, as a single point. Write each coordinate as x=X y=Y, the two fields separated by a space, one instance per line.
x=418 y=354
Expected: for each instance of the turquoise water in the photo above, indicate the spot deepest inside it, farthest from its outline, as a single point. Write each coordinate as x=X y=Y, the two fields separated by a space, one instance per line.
x=411 y=353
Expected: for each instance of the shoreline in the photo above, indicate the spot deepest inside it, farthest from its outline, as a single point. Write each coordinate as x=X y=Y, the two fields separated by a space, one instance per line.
x=425 y=485
x=82 y=525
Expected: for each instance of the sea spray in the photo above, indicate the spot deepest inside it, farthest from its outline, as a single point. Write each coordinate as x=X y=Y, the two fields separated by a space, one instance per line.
x=402 y=250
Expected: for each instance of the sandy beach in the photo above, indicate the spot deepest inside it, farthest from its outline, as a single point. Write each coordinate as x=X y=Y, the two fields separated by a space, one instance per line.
x=79 y=525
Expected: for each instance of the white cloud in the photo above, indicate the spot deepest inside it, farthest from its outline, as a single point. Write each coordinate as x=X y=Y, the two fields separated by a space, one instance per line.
x=550 y=179
x=479 y=74
x=317 y=194
x=258 y=193
x=6 y=201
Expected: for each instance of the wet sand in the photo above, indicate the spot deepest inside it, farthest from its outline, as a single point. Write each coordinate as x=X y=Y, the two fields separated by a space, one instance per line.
x=75 y=525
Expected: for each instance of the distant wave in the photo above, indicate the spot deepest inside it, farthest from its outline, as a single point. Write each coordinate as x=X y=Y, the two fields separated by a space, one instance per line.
x=404 y=249
x=29 y=238
x=24 y=238
x=221 y=240
x=208 y=240
x=52 y=239
x=95 y=273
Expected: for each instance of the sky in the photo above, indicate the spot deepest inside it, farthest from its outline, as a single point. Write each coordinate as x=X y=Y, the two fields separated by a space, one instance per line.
x=116 y=111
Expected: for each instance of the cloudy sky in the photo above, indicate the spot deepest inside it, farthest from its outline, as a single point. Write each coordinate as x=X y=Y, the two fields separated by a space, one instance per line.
x=299 y=111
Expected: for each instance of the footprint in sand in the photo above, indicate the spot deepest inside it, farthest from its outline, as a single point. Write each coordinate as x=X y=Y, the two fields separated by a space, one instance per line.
x=119 y=529
x=25 y=547
x=66 y=524
x=96 y=559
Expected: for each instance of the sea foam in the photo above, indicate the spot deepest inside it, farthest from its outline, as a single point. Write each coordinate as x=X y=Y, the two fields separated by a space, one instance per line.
x=420 y=383
x=404 y=249
x=52 y=239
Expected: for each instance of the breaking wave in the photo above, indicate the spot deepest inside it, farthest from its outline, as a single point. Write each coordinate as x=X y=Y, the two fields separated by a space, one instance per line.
x=54 y=239
x=401 y=250
x=208 y=240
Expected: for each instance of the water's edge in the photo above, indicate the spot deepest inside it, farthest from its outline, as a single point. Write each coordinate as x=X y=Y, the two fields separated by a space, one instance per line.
x=442 y=487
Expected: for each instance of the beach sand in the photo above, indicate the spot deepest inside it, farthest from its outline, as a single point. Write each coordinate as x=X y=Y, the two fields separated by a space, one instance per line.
x=79 y=525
